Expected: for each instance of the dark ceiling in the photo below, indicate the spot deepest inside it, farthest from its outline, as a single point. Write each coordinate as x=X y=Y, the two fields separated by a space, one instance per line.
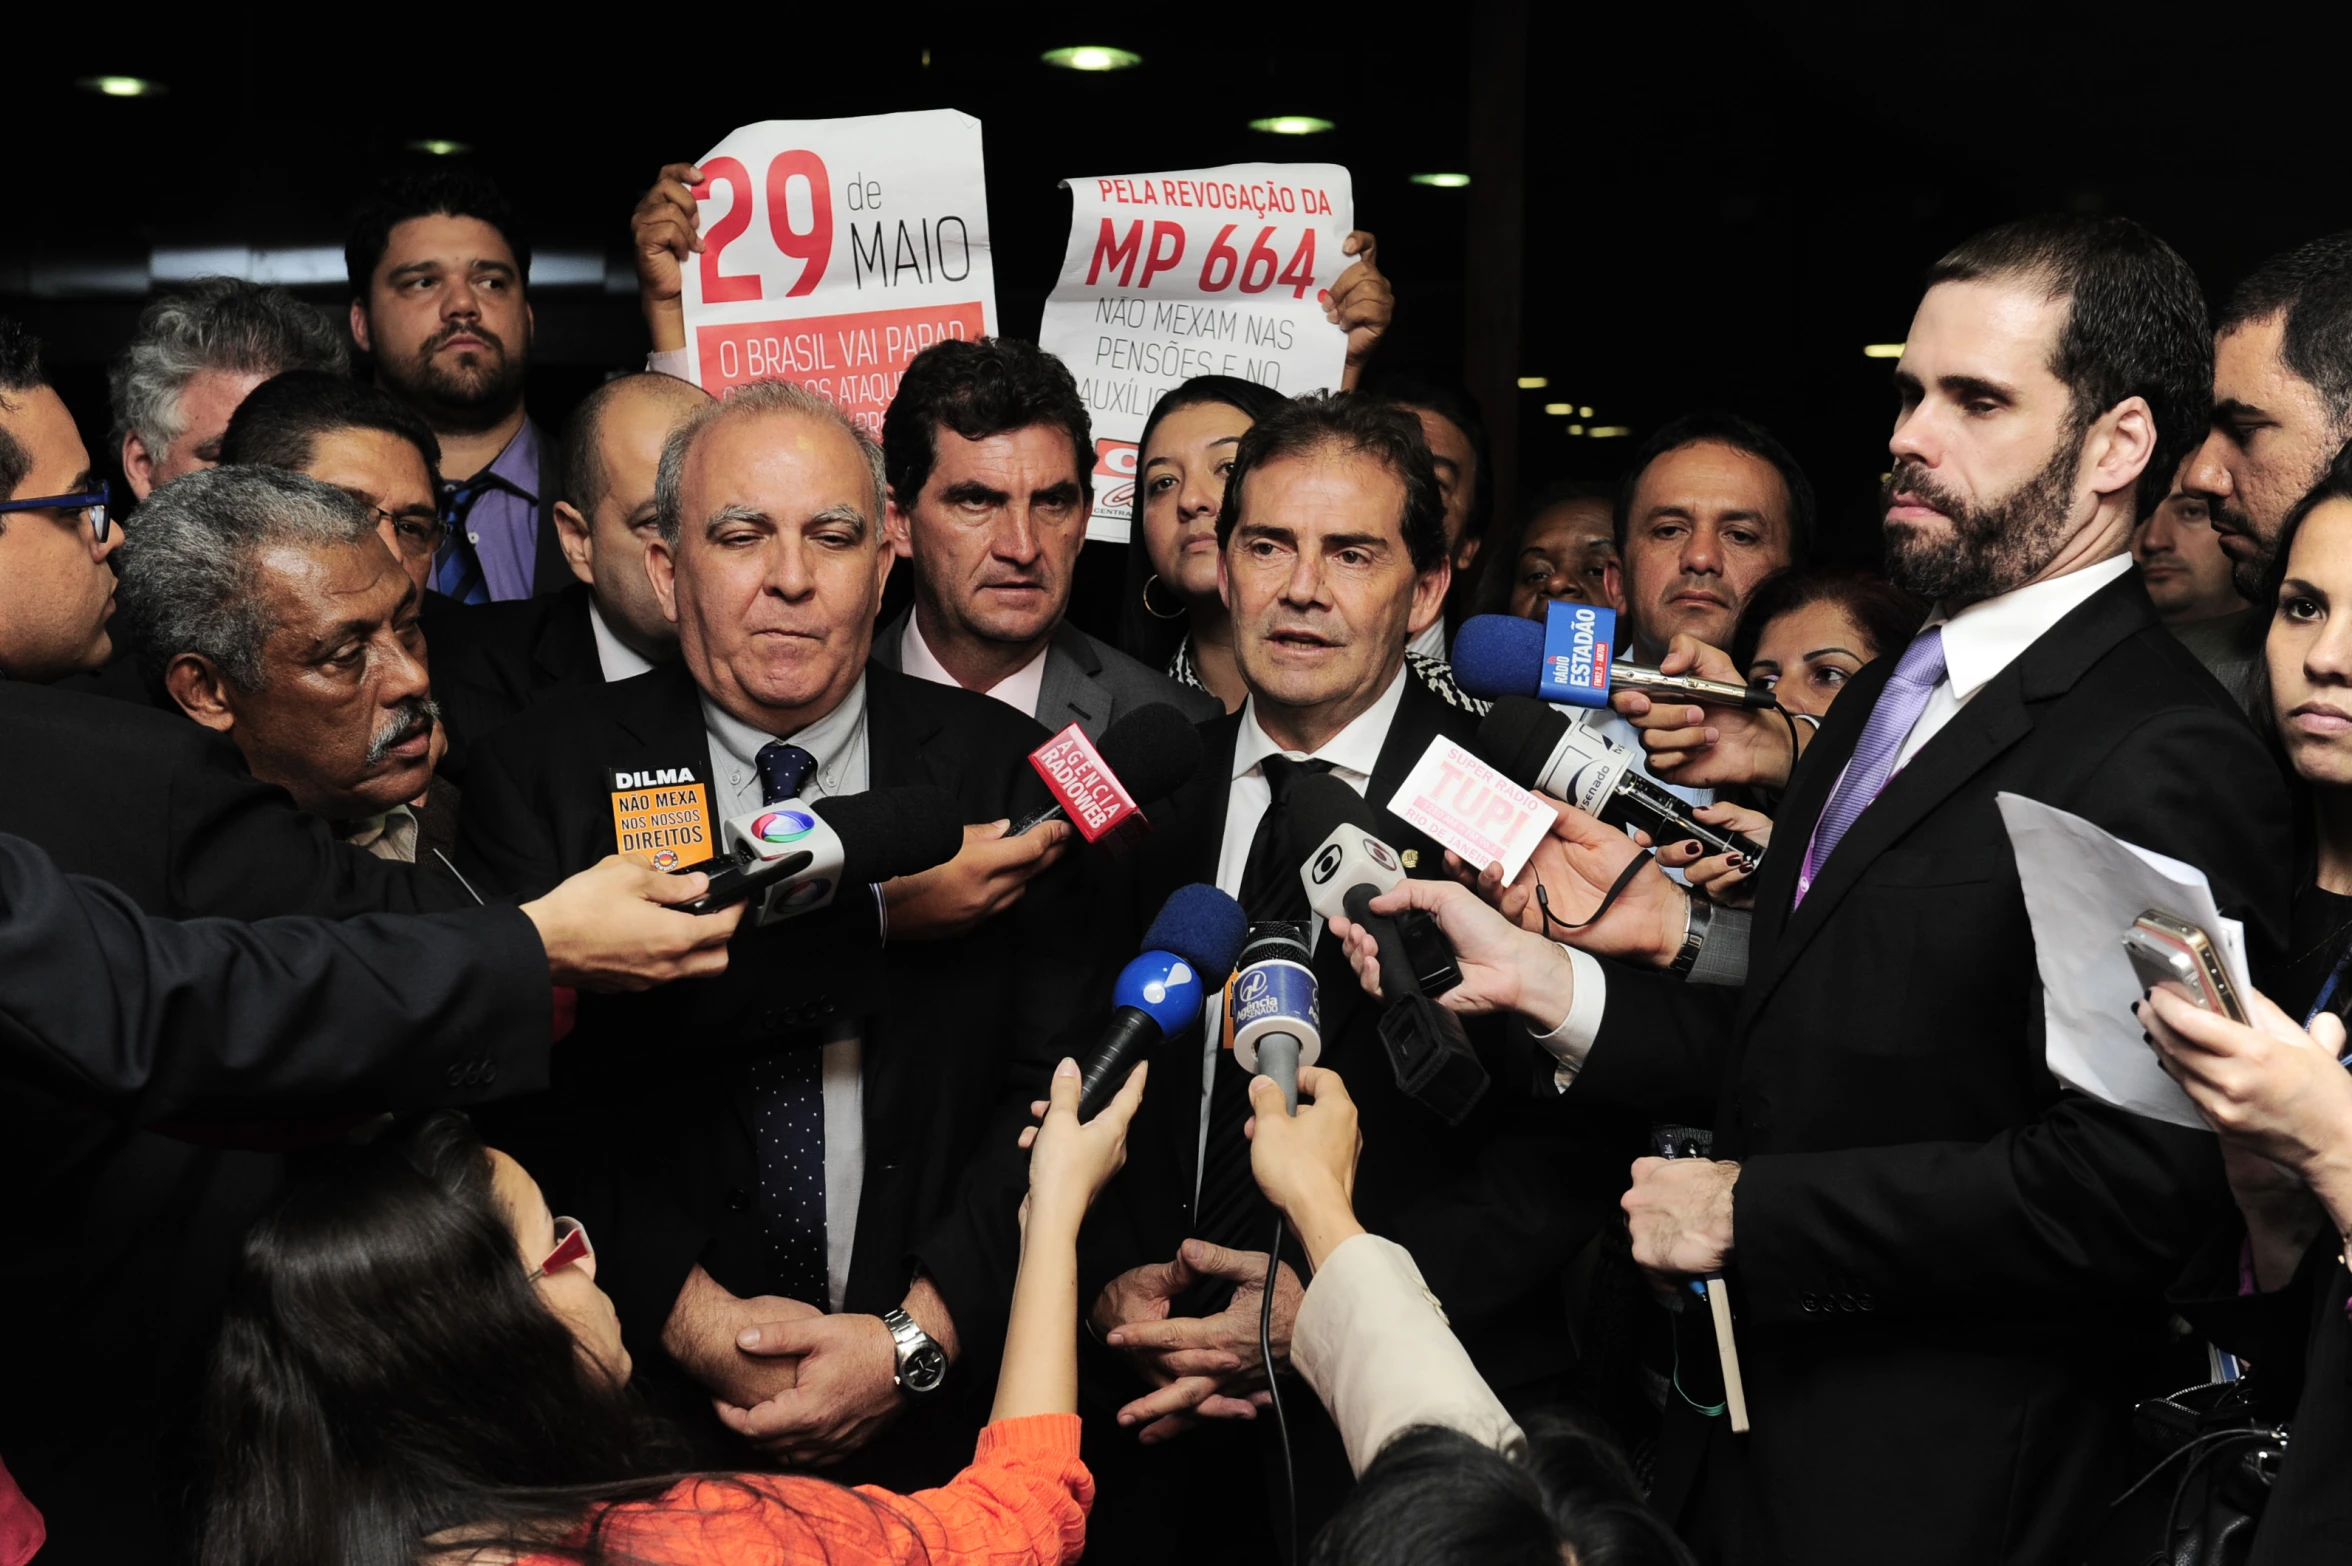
x=1723 y=202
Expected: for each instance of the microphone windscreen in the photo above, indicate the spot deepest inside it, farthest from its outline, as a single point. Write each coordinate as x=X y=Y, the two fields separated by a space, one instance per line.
x=1203 y=926
x=1319 y=803
x=1518 y=736
x=1153 y=751
x=1497 y=655
x=887 y=832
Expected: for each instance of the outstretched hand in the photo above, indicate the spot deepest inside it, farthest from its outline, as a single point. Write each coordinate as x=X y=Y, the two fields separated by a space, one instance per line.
x=1708 y=746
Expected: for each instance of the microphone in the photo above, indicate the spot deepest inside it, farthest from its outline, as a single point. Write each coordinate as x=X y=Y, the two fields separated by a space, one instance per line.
x=1188 y=951
x=1569 y=659
x=1538 y=746
x=1148 y=754
x=798 y=854
x=1348 y=867
x=1273 y=1021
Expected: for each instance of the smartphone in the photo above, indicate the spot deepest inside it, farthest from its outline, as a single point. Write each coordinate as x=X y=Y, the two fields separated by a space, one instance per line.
x=2165 y=950
x=735 y=881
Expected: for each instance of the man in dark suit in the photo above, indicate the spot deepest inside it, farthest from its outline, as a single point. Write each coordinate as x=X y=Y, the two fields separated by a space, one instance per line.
x=989 y=447
x=828 y=1062
x=1333 y=558
x=1950 y=1270
x=490 y=661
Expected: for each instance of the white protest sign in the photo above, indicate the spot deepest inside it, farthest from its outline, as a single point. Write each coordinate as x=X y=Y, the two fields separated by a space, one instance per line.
x=834 y=251
x=1471 y=808
x=1207 y=272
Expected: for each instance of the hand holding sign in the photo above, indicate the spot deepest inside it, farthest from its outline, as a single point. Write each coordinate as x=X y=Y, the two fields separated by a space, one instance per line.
x=1360 y=303
x=665 y=233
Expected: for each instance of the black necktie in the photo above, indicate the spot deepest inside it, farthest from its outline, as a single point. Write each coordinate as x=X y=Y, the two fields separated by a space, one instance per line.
x=1233 y=1212
x=788 y=1102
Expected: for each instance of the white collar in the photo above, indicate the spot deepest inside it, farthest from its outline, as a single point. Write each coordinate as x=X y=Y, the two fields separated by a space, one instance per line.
x=1985 y=638
x=831 y=739
x=616 y=658
x=1019 y=690
x=1355 y=748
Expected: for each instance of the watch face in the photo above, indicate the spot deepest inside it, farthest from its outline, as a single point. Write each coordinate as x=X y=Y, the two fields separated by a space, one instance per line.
x=924 y=1369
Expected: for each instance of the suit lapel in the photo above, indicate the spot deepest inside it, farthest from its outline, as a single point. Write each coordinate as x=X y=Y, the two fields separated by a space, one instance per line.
x=1070 y=693
x=889 y=639
x=899 y=734
x=1994 y=720
x=566 y=648
x=662 y=711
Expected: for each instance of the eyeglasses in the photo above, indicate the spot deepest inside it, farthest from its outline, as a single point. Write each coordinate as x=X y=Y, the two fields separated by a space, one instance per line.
x=97 y=505
x=571 y=1245
x=419 y=535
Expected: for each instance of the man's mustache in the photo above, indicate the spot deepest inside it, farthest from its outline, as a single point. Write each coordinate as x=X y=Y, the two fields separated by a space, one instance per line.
x=441 y=339
x=415 y=716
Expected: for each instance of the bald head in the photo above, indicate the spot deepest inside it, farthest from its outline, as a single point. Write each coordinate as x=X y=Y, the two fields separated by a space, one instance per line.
x=612 y=452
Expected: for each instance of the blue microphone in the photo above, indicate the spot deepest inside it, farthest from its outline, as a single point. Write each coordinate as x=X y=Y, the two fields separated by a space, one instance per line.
x=1273 y=1012
x=1187 y=952
x=1566 y=661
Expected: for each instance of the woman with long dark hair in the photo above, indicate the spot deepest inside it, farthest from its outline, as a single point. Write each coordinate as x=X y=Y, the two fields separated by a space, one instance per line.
x=417 y=1366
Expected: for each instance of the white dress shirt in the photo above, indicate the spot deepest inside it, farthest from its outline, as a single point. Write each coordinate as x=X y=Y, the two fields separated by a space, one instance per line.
x=838 y=742
x=1353 y=752
x=1979 y=642
x=616 y=658
x=1431 y=643
x=1018 y=690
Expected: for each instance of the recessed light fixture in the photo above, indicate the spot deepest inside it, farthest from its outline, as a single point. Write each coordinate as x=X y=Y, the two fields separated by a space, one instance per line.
x=1092 y=57
x=1576 y=429
x=1882 y=350
x=1291 y=125
x=1558 y=409
x=1584 y=413
x=122 y=86
x=1443 y=181
x=1609 y=431
x=1534 y=382
x=439 y=148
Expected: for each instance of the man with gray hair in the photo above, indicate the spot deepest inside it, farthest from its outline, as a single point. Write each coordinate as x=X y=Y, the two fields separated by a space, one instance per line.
x=267 y=607
x=807 y=1162
x=195 y=354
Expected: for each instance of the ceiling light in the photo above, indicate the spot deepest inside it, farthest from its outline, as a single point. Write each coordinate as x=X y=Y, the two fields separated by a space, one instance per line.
x=439 y=148
x=1609 y=431
x=1443 y=181
x=1576 y=429
x=1091 y=57
x=123 y=86
x=1291 y=125
x=1557 y=409
x=1534 y=382
x=1882 y=350
x=1584 y=413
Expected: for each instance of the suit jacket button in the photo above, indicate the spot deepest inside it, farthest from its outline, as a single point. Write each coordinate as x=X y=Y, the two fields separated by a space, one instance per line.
x=455 y=1075
x=1810 y=1302
x=771 y=1021
x=489 y=1072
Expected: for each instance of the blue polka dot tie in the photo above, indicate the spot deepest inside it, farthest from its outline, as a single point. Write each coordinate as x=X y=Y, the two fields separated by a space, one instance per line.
x=788 y=1107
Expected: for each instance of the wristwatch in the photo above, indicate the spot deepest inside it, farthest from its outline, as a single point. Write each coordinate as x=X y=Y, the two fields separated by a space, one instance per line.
x=922 y=1363
x=1696 y=917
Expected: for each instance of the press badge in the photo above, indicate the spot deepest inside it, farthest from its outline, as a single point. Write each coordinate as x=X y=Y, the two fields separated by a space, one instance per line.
x=661 y=815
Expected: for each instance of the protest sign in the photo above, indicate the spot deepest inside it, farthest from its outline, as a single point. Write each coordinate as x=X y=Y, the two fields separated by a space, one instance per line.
x=834 y=251
x=1208 y=272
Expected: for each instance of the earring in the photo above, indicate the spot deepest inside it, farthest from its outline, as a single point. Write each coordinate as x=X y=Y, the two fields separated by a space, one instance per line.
x=1176 y=613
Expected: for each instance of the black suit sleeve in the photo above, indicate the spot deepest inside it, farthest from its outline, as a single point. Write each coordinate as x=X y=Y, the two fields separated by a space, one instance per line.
x=155 y=1018
x=1662 y=1047
x=2086 y=1201
x=238 y=848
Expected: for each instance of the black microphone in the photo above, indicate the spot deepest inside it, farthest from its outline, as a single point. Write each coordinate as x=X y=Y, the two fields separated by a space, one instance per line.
x=1347 y=868
x=1144 y=757
x=1538 y=746
x=796 y=855
x=1187 y=952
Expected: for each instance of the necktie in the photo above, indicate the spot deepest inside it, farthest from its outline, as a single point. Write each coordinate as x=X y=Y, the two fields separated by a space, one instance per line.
x=1915 y=678
x=1233 y=1211
x=788 y=1106
x=458 y=571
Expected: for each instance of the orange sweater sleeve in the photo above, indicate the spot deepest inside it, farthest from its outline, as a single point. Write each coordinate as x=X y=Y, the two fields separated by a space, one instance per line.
x=1022 y=1502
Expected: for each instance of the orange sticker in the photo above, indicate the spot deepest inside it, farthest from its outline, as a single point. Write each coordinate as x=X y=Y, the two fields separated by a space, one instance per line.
x=662 y=817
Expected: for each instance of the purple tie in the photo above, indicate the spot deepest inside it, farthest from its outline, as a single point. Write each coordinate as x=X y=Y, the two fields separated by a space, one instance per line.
x=1891 y=721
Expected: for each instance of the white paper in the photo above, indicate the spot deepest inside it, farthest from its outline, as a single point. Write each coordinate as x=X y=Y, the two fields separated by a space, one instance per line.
x=1200 y=272
x=834 y=251
x=1472 y=809
x=2083 y=888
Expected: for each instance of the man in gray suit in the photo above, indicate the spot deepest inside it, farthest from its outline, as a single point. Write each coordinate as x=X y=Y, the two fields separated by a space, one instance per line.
x=988 y=448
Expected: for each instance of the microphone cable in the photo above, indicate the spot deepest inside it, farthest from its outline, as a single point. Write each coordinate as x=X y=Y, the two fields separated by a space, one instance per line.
x=1273 y=1391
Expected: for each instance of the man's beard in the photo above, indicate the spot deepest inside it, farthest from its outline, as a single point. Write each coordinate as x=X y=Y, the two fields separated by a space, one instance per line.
x=2250 y=576
x=459 y=399
x=1992 y=548
x=415 y=716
